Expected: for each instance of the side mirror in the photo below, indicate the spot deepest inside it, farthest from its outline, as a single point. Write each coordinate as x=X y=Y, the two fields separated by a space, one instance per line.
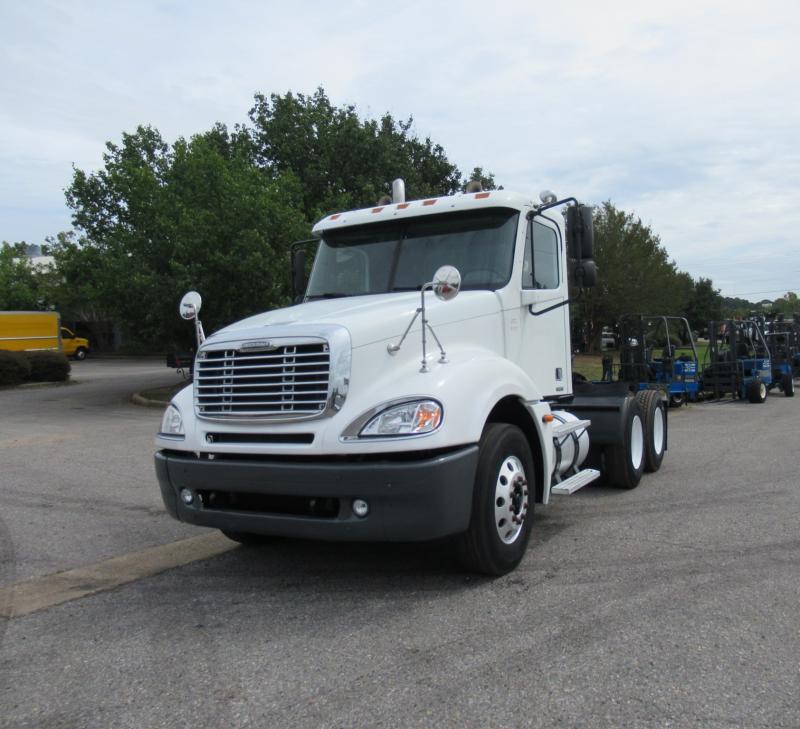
x=190 y=305
x=446 y=283
x=580 y=232
x=299 y=281
x=585 y=273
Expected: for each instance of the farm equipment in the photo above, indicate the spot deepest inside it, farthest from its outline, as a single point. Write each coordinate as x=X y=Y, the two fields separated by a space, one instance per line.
x=658 y=352
x=737 y=361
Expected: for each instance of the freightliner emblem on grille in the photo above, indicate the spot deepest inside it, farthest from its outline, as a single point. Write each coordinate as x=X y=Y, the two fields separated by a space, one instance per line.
x=262 y=345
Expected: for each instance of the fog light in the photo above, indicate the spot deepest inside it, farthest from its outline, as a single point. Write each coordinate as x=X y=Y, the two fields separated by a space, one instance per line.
x=187 y=496
x=360 y=508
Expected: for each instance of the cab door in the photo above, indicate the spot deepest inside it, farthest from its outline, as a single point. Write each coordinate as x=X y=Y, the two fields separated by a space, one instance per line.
x=544 y=317
x=68 y=344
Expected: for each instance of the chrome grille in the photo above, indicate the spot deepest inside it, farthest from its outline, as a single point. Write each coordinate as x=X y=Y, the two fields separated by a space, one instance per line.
x=291 y=381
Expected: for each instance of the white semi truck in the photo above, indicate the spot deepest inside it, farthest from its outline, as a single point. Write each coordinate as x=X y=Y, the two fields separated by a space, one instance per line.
x=421 y=387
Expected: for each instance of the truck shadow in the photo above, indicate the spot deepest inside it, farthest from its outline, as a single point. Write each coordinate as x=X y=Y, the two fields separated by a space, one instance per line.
x=386 y=567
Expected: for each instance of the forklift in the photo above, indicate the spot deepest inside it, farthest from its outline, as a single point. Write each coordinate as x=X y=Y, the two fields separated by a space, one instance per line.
x=737 y=361
x=782 y=339
x=657 y=352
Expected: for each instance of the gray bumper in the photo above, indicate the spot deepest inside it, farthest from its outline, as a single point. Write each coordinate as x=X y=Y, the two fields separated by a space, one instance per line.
x=408 y=500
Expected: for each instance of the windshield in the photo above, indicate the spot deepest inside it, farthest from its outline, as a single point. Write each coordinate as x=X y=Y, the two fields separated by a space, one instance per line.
x=404 y=255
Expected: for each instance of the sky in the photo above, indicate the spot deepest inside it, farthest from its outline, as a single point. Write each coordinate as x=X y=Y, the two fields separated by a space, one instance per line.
x=686 y=114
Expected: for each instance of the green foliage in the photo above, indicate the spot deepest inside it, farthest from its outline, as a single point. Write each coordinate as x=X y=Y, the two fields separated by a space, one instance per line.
x=47 y=366
x=704 y=305
x=160 y=220
x=635 y=275
x=733 y=307
x=485 y=178
x=786 y=304
x=14 y=368
x=340 y=161
x=22 y=286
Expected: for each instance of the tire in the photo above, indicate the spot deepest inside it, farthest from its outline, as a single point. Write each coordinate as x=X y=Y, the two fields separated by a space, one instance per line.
x=677 y=399
x=624 y=463
x=756 y=391
x=655 y=428
x=787 y=385
x=502 y=510
x=248 y=539
x=80 y=353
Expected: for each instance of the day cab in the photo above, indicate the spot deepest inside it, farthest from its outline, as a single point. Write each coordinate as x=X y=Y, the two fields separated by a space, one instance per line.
x=421 y=387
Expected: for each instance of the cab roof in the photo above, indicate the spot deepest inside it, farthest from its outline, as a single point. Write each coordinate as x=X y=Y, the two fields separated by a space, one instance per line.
x=428 y=206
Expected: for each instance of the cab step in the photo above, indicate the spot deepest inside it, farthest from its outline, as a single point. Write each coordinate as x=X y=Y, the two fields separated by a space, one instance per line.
x=573 y=483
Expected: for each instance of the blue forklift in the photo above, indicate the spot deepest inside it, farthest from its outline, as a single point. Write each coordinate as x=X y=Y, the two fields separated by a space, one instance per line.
x=781 y=337
x=737 y=362
x=657 y=352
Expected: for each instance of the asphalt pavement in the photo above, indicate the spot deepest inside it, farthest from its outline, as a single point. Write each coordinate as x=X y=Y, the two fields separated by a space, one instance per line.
x=671 y=605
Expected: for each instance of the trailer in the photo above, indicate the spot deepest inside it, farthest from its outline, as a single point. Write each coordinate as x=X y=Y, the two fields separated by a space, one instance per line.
x=737 y=361
x=420 y=388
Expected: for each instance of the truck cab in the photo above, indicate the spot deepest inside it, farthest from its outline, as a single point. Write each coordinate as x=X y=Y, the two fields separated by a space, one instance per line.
x=73 y=346
x=420 y=388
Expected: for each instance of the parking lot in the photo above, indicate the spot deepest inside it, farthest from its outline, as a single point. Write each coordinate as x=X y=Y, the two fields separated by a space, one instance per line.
x=671 y=605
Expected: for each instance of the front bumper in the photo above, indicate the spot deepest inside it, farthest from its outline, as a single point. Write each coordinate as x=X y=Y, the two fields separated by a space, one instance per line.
x=409 y=500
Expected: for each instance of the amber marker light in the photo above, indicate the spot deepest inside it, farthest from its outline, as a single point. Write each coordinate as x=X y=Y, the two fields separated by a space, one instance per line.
x=427 y=418
x=547 y=418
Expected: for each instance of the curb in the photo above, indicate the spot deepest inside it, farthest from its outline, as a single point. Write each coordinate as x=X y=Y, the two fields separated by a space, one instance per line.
x=146 y=402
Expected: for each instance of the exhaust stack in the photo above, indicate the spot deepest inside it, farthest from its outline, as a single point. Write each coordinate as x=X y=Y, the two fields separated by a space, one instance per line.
x=398 y=191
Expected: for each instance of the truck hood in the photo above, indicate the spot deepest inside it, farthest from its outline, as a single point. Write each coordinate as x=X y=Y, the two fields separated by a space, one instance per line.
x=369 y=319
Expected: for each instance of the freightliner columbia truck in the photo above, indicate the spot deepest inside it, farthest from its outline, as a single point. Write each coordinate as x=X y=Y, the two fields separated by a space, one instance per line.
x=421 y=388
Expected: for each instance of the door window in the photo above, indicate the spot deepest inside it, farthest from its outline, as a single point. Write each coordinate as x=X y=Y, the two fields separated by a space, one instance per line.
x=540 y=265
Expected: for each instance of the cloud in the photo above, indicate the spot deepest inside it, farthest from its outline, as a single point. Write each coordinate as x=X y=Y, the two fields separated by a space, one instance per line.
x=685 y=113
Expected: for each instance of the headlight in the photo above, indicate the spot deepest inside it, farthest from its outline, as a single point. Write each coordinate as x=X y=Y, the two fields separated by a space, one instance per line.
x=410 y=418
x=172 y=422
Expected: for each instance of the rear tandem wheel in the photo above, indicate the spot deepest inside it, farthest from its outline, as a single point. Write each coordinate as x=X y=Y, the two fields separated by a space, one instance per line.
x=655 y=428
x=624 y=463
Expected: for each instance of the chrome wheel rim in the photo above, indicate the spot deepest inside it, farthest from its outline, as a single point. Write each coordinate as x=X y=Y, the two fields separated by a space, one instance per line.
x=510 y=500
x=658 y=431
x=637 y=442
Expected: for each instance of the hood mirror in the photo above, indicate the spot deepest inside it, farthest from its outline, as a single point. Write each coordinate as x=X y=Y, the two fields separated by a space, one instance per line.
x=190 y=305
x=446 y=283
x=189 y=309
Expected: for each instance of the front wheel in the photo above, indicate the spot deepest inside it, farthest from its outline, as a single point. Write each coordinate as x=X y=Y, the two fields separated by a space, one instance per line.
x=80 y=353
x=502 y=502
x=676 y=399
x=756 y=391
x=787 y=383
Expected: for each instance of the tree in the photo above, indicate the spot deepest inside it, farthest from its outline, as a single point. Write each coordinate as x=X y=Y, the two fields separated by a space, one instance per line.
x=340 y=161
x=786 y=304
x=635 y=275
x=22 y=285
x=158 y=220
x=704 y=305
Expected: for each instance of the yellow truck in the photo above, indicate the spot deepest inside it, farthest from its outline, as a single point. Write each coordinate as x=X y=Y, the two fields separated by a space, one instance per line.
x=26 y=331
